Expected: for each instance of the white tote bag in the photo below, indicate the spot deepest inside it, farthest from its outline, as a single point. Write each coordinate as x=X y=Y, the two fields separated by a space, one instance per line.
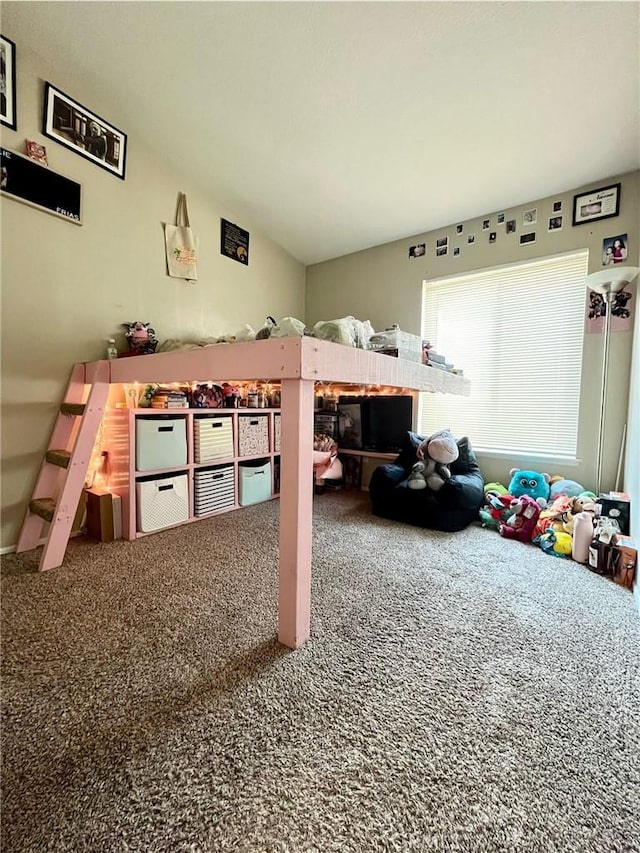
x=181 y=245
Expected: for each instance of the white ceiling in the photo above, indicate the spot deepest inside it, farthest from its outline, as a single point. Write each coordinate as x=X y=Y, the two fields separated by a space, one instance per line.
x=338 y=126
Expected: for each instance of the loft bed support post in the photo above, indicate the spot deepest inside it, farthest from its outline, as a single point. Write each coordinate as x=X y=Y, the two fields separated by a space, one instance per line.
x=296 y=511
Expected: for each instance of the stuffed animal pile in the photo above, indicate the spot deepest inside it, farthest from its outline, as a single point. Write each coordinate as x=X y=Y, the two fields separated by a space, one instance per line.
x=536 y=508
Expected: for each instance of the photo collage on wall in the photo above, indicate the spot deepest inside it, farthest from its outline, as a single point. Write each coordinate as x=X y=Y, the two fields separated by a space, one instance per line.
x=596 y=204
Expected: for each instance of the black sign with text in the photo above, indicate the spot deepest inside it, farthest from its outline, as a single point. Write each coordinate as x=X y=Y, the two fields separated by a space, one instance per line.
x=234 y=242
x=36 y=185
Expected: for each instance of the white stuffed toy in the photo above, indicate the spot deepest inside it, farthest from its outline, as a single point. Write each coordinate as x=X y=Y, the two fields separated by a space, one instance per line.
x=434 y=455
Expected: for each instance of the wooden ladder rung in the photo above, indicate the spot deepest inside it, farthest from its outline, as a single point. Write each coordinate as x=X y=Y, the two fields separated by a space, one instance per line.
x=72 y=408
x=43 y=507
x=61 y=458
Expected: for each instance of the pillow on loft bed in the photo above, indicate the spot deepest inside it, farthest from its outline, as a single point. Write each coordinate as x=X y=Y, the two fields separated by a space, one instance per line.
x=452 y=508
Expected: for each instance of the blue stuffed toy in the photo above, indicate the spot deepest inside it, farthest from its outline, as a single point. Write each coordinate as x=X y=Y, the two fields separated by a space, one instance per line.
x=529 y=483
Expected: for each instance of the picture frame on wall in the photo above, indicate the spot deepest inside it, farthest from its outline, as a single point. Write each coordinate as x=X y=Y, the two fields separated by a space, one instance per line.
x=601 y=203
x=70 y=124
x=8 y=83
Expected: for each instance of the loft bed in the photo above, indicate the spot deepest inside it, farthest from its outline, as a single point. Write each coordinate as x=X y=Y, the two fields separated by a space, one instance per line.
x=297 y=363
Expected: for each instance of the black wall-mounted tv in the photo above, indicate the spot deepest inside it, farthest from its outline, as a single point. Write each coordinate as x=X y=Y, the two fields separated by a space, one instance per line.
x=374 y=423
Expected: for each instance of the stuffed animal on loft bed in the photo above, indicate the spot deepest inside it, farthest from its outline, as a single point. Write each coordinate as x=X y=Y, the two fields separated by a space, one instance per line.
x=141 y=338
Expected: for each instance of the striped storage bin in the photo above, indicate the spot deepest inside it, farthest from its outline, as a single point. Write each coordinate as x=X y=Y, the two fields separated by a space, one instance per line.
x=214 y=489
x=254 y=481
x=212 y=437
x=161 y=502
x=253 y=434
x=277 y=432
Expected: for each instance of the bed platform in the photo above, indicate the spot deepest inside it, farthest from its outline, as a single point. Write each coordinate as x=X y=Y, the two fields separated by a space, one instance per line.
x=297 y=363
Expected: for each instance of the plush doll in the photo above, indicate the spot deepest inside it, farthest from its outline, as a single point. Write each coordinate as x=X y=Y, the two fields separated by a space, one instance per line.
x=586 y=502
x=141 y=338
x=565 y=487
x=522 y=521
x=496 y=509
x=495 y=489
x=528 y=483
x=553 y=516
x=434 y=455
x=556 y=543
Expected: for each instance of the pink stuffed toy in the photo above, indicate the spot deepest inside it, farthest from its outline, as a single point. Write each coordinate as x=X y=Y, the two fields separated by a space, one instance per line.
x=522 y=523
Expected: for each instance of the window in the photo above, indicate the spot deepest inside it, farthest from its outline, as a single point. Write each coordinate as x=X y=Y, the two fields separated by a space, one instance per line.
x=517 y=332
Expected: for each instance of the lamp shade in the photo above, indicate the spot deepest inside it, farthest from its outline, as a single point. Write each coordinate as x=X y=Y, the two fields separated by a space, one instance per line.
x=612 y=279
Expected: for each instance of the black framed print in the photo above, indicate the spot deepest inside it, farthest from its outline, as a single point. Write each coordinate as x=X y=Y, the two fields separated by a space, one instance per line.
x=596 y=204
x=234 y=242
x=8 y=83
x=74 y=126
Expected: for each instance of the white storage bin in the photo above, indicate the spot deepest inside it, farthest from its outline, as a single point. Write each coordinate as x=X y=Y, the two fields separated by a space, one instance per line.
x=213 y=437
x=161 y=502
x=214 y=489
x=161 y=442
x=254 y=481
x=253 y=434
x=277 y=432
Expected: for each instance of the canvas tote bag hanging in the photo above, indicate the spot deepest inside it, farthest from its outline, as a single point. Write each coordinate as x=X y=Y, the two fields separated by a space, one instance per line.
x=181 y=245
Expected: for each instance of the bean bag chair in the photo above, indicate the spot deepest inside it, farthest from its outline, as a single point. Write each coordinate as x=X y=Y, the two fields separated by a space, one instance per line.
x=452 y=508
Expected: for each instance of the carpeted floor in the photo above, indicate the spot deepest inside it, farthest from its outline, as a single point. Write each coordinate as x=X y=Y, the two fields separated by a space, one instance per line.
x=460 y=693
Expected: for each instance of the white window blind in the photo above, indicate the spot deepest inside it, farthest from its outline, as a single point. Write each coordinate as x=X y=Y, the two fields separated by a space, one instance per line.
x=517 y=332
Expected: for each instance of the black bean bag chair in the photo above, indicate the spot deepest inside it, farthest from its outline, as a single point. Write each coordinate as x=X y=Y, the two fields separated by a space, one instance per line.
x=451 y=508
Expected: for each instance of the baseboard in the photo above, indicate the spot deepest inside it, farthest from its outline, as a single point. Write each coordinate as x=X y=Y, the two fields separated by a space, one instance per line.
x=10 y=549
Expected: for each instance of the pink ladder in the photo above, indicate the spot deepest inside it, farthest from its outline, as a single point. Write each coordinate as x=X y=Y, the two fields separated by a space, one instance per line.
x=70 y=448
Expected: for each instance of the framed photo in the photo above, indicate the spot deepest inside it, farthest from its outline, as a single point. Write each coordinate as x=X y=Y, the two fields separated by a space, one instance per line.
x=7 y=83
x=530 y=217
x=74 y=126
x=596 y=204
x=614 y=250
x=417 y=251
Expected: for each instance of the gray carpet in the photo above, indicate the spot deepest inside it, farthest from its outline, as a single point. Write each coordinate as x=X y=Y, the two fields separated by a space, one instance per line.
x=460 y=693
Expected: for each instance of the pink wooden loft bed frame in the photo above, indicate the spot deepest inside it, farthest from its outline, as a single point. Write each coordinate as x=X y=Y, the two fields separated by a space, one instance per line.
x=296 y=363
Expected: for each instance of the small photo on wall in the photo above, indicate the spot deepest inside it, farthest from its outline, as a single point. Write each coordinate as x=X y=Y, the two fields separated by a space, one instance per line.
x=511 y=226
x=458 y=229
x=417 y=251
x=492 y=236
x=530 y=217
x=471 y=238
x=456 y=250
x=441 y=250
x=555 y=223
x=557 y=206
x=527 y=238
x=614 y=250
x=486 y=224
x=500 y=218
x=443 y=241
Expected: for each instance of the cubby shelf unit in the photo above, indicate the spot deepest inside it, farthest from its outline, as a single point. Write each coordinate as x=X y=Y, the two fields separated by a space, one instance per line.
x=120 y=438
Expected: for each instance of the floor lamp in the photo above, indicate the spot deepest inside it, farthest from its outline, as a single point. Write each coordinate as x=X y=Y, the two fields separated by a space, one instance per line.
x=608 y=283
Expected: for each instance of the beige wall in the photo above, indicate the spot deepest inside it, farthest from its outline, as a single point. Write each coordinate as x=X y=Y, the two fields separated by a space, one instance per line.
x=66 y=289
x=381 y=284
